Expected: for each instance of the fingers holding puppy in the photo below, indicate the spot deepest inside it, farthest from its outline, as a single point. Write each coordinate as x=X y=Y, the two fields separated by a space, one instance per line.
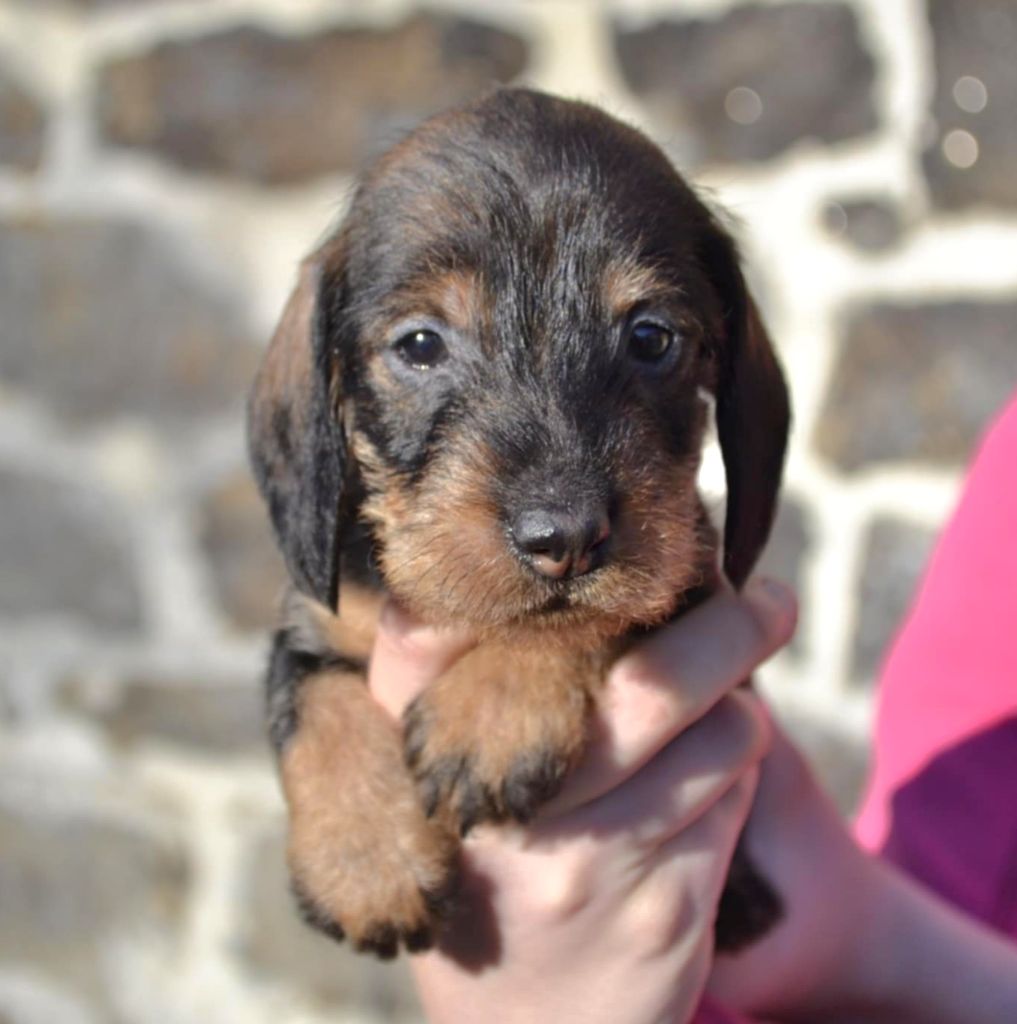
x=670 y=681
x=677 y=785
x=408 y=656
x=661 y=688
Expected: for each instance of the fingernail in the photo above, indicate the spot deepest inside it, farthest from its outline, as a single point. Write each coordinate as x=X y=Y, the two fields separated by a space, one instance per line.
x=778 y=597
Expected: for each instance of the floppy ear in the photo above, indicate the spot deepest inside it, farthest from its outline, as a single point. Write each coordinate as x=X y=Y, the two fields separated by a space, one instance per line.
x=753 y=413
x=295 y=434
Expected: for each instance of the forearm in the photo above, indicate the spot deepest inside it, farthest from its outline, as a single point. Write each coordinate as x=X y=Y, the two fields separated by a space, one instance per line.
x=916 y=960
x=930 y=963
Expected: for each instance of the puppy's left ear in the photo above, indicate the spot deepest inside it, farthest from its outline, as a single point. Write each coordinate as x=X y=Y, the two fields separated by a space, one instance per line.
x=752 y=409
x=295 y=433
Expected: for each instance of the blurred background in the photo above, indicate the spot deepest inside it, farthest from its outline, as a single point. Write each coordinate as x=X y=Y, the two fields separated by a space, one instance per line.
x=163 y=166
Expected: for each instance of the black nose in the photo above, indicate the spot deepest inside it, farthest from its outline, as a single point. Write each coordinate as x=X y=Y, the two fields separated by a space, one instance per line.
x=560 y=542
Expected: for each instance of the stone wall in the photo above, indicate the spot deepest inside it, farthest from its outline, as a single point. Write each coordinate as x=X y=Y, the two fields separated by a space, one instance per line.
x=163 y=165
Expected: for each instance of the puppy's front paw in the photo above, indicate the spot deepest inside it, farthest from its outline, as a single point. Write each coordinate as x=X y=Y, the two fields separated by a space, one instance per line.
x=383 y=895
x=480 y=763
x=365 y=861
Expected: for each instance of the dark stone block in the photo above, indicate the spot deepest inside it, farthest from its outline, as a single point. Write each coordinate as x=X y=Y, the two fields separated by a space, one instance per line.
x=22 y=126
x=896 y=553
x=71 y=885
x=108 y=319
x=918 y=382
x=872 y=225
x=217 y=718
x=65 y=553
x=973 y=147
x=278 y=945
x=277 y=110
x=247 y=570
x=755 y=81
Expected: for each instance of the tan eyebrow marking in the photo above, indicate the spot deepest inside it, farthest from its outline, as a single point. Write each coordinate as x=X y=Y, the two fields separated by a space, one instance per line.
x=453 y=296
x=626 y=282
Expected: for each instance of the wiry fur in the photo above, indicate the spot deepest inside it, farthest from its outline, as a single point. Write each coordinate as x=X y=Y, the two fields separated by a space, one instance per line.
x=529 y=233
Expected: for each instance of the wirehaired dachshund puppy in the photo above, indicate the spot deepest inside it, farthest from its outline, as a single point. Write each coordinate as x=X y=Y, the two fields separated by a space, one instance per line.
x=487 y=397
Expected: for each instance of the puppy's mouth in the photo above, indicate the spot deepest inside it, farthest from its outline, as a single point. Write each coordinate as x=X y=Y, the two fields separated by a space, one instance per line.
x=565 y=602
x=555 y=603
x=566 y=598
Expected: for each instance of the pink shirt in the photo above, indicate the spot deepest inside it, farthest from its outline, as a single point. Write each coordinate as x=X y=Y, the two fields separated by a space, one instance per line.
x=942 y=799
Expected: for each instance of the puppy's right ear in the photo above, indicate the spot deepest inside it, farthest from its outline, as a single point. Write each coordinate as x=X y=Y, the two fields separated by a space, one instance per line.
x=294 y=427
x=752 y=409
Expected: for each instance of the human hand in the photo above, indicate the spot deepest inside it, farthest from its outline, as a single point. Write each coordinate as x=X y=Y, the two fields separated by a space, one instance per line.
x=603 y=908
x=810 y=960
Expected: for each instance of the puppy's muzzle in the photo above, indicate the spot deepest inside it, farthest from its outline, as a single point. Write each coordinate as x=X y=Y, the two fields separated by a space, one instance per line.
x=562 y=542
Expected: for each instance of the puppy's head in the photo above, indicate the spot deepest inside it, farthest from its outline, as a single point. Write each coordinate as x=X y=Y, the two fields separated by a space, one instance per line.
x=498 y=362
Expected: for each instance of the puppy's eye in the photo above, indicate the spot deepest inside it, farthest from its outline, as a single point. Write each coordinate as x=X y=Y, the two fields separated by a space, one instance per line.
x=649 y=342
x=422 y=349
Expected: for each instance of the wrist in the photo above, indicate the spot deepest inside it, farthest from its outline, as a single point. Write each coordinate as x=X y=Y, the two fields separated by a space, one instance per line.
x=920 y=961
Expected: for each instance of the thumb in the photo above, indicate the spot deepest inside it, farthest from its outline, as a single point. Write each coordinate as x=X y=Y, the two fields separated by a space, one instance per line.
x=409 y=655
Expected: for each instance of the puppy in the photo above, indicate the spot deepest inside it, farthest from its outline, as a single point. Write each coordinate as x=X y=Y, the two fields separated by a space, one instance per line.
x=486 y=397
